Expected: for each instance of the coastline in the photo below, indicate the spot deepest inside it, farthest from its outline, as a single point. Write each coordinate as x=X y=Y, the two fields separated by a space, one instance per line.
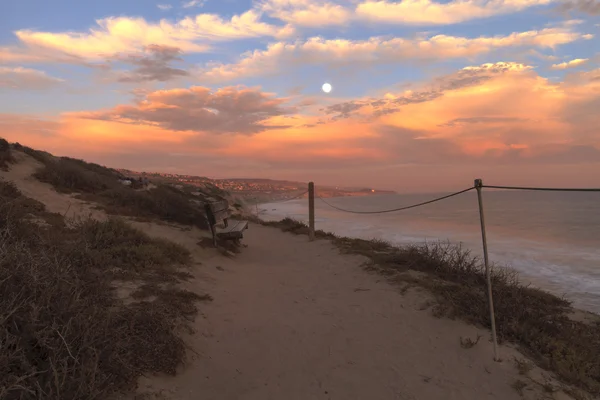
x=334 y=318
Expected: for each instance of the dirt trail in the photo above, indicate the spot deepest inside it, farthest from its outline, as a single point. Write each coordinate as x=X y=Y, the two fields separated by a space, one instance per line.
x=297 y=320
x=21 y=174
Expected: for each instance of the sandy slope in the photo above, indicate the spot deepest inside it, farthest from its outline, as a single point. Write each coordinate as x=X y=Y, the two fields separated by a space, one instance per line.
x=20 y=173
x=296 y=320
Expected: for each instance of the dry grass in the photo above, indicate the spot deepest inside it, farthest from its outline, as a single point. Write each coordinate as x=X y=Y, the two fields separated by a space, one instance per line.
x=64 y=333
x=163 y=202
x=6 y=156
x=535 y=320
x=519 y=386
x=468 y=343
x=100 y=184
x=69 y=175
x=523 y=366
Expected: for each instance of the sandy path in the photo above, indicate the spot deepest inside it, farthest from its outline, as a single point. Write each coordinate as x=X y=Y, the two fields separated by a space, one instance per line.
x=21 y=174
x=296 y=320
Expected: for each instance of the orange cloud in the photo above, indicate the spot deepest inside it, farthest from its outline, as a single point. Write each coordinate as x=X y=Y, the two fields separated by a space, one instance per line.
x=570 y=64
x=434 y=13
x=498 y=111
x=373 y=51
x=227 y=110
x=124 y=34
x=312 y=13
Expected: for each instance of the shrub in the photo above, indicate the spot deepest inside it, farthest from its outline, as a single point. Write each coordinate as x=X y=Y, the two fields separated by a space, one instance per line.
x=6 y=156
x=163 y=202
x=101 y=184
x=40 y=156
x=63 y=331
x=67 y=176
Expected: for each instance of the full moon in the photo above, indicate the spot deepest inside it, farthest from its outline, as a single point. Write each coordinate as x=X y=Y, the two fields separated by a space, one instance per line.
x=326 y=87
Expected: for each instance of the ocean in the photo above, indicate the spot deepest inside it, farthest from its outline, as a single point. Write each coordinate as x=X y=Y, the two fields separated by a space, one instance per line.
x=551 y=238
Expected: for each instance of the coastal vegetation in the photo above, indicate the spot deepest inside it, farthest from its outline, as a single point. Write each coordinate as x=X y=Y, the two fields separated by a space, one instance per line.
x=99 y=184
x=67 y=331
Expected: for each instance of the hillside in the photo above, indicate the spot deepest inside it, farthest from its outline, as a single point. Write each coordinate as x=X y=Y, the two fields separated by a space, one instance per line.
x=253 y=190
x=91 y=301
x=88 y=182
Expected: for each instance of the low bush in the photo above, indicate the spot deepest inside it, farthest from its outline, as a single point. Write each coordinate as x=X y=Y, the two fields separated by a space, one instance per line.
x=65 y=333
x=163 y=202
x=6 y=156
x=100 y=184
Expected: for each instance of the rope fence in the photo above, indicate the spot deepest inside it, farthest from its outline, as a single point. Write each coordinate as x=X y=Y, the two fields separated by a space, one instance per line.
x=478 y=186
x=396 y=209
x=456 y=194
x=543 y=189
x=283 y=200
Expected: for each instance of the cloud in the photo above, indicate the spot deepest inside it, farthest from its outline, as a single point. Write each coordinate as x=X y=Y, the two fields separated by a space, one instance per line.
x=153 y=65
x=26 y=78
x=313 y=13
x=124 y=34
x=164 y=7
x=377 y=51
x=229 y=110
x=427 y=12
x=570 y=64
x=591 y=7
x=308 y=13
x=36 y=55
x=481 y=120
x=465 y=78
x=488 y=114
x=24 y=124
x=193 y=3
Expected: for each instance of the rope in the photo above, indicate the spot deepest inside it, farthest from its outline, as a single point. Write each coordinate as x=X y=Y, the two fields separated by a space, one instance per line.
x=544 y=189
x=397 y=209
x=284 y=200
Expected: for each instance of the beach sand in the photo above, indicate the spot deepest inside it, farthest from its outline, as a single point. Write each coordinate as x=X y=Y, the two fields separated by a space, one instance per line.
x=293 y=319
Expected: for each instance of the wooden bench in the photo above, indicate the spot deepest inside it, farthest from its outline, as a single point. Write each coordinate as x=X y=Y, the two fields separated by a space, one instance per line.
x=217 y=213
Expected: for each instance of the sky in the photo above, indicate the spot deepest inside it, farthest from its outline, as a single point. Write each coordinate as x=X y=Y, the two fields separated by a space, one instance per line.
x=427 y=95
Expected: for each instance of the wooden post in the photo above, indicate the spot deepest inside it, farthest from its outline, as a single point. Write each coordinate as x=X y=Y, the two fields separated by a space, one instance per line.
x=478 y=186
x=311 y=211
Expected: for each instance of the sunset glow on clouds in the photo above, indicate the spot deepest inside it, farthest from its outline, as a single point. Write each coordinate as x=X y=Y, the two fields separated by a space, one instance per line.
x=426 y=95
